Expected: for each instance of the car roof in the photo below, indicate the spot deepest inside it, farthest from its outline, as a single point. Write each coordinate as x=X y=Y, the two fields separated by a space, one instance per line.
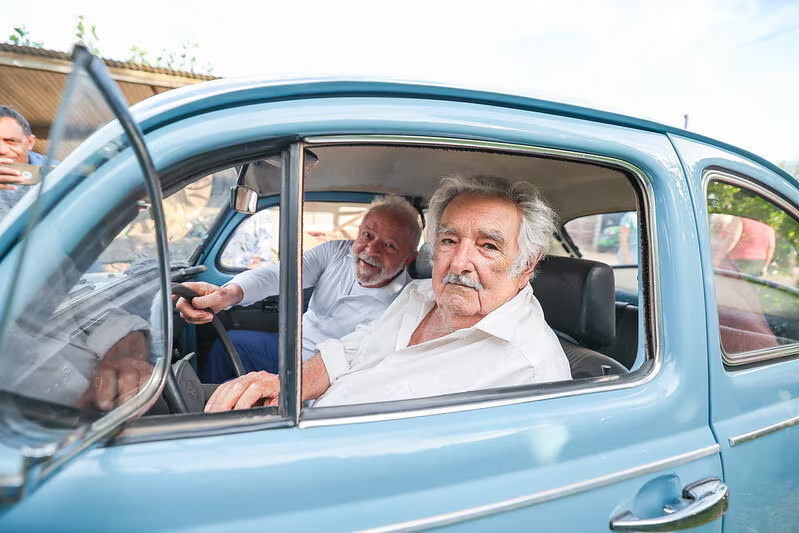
x=234 y=92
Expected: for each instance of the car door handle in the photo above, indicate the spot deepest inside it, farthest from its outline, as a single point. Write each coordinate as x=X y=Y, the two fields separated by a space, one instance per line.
x=701 y=503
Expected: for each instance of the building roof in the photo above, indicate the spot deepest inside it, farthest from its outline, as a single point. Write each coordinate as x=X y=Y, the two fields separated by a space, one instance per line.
x=32 y=81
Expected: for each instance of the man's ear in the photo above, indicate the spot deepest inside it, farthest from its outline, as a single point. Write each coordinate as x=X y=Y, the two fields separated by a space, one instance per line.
x=527 y=273
x=410 y=259
x=31 y=141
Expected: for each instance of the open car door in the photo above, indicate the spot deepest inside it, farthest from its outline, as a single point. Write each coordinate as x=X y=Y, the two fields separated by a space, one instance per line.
x=84 y=336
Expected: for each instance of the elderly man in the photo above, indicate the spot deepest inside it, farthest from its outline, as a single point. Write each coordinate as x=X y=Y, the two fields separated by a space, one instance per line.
x=16 y=147
x=354 y=282
x=475 y=325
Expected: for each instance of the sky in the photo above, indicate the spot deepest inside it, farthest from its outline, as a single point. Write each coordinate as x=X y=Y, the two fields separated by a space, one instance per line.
x=731 y=65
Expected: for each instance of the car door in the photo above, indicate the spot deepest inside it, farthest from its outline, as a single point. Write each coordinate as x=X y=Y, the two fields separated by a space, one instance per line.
x=569 y=456
x=753 y=314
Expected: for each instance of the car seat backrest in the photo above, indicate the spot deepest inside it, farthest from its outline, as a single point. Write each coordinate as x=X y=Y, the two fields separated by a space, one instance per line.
x=578 y=298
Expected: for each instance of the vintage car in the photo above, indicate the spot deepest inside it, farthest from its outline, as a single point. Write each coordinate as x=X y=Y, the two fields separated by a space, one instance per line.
x=683 y=408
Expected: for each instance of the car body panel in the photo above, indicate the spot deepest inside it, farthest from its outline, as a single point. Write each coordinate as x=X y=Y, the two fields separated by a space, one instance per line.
x=568 y=461
x=760 y=467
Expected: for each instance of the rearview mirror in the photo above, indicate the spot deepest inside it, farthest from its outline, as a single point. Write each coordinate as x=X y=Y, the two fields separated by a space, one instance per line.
x=243 y=199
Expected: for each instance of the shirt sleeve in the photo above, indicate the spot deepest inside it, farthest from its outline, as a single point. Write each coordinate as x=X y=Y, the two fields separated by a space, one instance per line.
x=338 y=354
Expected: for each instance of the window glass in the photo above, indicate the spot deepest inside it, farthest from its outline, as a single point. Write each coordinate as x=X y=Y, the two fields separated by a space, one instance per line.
x=754 y=245
x=189 y=214
x=255 y=241
x=610 y=238
x=83 y=338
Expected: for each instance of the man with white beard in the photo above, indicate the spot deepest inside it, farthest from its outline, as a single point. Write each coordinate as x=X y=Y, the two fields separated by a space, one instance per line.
x=353 y=281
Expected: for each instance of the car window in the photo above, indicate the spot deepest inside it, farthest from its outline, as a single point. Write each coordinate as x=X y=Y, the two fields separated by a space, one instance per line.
x=754 y=244
x=255 y=241
x=611 y=238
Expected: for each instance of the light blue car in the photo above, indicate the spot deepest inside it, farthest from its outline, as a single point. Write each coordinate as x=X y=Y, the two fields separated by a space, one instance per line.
x=683 y=408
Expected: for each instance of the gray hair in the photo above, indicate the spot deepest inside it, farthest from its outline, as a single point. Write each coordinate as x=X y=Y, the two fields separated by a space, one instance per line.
x=403 y=208
x=538 y=219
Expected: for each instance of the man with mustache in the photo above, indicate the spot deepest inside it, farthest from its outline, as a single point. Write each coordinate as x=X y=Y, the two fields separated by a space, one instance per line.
x=476 y=325
x=354 y=282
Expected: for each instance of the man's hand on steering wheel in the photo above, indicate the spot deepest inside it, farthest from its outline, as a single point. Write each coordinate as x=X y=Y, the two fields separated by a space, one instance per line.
x=210 y=297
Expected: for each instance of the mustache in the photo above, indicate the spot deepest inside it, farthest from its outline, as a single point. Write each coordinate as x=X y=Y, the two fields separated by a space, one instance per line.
x=460 y=279
x=369 y=260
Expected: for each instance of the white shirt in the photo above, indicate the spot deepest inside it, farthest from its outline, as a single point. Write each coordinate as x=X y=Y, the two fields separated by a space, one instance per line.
x=512 y=345
x=338 y=303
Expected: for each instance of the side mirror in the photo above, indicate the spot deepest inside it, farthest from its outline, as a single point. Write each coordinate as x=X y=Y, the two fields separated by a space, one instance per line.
x=243 y=199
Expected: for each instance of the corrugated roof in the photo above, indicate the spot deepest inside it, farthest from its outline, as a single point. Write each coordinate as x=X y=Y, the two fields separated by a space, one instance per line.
x=32 y=81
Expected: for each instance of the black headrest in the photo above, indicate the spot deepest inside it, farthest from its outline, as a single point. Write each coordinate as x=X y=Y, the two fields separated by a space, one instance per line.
x=578 y=297
x=422 y=266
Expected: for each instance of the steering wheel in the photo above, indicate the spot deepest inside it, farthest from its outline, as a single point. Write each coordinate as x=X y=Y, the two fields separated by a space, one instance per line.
x=182 y=385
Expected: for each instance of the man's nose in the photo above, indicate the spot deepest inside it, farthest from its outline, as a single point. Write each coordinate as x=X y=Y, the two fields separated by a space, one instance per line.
x=462 y=261
x=374 y=247
x=4 y=149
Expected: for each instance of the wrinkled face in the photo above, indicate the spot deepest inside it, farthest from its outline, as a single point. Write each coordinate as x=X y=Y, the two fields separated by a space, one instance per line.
x=473 y=255
x=382 y=249
x=14 y=144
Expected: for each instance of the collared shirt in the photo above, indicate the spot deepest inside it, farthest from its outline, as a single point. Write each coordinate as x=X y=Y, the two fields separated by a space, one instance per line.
x=338 y=304
x=512 y=345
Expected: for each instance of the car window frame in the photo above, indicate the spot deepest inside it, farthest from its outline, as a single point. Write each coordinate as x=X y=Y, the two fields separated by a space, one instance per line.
x=144 y=430
x=764 y=355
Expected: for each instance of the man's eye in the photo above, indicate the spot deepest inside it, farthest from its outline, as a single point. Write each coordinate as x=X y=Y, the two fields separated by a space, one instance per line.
x=389 y=245
x=490 y=246
x=447 y=240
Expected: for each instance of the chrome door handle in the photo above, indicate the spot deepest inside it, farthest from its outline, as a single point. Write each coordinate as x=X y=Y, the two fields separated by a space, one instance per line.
x=702 y=502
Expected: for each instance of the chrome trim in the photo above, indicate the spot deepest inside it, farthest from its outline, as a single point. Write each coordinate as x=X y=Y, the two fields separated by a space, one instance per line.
x=766 y=354
x=547 y=495
x=655 y=315
x=762 y=432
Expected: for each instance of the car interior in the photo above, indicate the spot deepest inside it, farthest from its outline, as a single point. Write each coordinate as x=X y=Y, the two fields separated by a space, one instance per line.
x=598 y=330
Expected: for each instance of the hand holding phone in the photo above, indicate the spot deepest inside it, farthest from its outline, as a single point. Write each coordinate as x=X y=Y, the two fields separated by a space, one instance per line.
x=28 y=174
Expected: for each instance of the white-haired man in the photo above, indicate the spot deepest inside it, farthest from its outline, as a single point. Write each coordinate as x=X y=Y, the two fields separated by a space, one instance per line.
x=475 y=325
x=353 y=281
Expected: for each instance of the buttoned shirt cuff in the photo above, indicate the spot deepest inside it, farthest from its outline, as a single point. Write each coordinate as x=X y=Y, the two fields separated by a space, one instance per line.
x=332 y=352
x=114 y=328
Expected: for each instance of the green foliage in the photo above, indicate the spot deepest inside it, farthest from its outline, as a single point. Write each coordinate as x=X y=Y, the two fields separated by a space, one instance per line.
x=728 y=199
x=20 y=38
x=185 y=59
x=791 y=167
x=90 y=38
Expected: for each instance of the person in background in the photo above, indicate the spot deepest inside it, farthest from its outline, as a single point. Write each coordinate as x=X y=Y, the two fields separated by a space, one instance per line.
x=16 y=147
x=755 y=247
x=628 y=239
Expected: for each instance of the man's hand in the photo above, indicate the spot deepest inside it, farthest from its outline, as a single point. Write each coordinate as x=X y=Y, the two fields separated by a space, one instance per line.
x=244 y=392
x=210 y=297
x=120 y=375
x=8 y=176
